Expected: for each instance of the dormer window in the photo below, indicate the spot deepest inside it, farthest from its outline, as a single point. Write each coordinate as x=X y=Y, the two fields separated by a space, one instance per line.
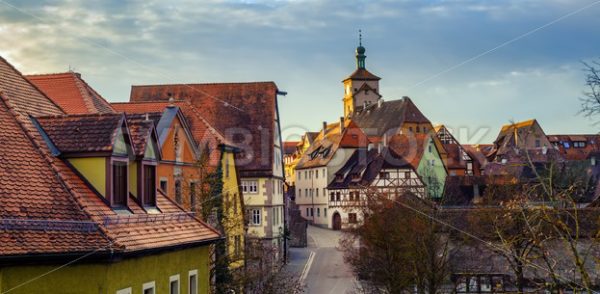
x=339 y=178
x=579 y=144
x=120 y=189
x=149 y=189
x=355 y=177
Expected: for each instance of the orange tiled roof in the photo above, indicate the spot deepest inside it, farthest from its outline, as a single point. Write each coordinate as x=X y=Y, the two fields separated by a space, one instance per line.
x=31 y=100
x=363 y=74
x=409 y=147
x=565 y=145
x=326 y=144
x=200 y=128
x=47 y=208
x=71 y=92
x=141 y=128
x=82 y=132
x=234 y=109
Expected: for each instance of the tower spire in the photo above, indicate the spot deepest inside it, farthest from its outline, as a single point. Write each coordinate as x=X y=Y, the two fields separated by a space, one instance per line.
x=360 y=52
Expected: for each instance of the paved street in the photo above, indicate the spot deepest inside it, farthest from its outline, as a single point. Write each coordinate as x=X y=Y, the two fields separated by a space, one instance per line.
x=321 y=265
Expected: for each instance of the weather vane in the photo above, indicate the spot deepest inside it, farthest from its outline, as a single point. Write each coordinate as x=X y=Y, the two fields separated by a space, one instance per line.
x=359 y=37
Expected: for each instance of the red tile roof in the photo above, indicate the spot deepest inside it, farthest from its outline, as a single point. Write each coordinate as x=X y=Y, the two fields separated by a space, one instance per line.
x=200 y=128
x=32 y=198
x=289 y=147
x=592 y=145
x=235 y=110
x=82 y=132
x=25 y=96
x=326 y=144
x=363 y=74
x=47 y=208
x=71 y=92
x=141 y=129
x=409 y=147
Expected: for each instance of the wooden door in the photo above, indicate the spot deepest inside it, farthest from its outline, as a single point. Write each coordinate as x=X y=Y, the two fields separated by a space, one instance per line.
x=337 y=221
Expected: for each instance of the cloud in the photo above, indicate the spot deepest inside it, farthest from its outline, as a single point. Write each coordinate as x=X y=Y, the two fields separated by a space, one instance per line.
x=306 y=46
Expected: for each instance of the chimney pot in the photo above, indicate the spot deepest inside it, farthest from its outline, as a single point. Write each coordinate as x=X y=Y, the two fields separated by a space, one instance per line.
x=379 y=102
x=324 y=127
x=342 y=125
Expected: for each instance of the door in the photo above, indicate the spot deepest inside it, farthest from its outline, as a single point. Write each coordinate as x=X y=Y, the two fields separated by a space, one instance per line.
x=337 y=221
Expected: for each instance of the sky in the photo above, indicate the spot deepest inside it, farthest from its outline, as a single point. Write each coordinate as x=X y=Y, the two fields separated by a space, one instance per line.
x=470 y=65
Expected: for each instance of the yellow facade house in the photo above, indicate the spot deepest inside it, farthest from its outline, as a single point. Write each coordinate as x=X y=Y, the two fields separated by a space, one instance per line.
x=81 y=211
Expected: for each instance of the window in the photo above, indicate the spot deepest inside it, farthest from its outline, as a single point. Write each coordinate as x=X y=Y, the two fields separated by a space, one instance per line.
x=178 y=191
x=250 y=187
x=430 y=148
x=332 y=196
x=418 y=129
x=325 y=212
x=124 y=291
x=316 y=174
x=307 y=214
x=193 y=195
x=324 y=192
x=312 y=211
x=193 y=281
x=317 y=192
x=300 y=192
x=566 y=145
x=149 y=198
x=352 y=218
x=337 y=196
x=174 y=284
x=306 y=192
x=256 y=217
x=579 y=144
x=119 y=182
x=384 y=175
x=149 y=288
x=538 y=144
x=163 y=184
x=318 y=212
x=407 y=175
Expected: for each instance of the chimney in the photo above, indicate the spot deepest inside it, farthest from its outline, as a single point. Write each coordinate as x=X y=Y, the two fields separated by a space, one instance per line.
x=379 y=102
x=342 y=126
x=365 y=105
x=385 y=139
x=324 y=128
x=379 y=147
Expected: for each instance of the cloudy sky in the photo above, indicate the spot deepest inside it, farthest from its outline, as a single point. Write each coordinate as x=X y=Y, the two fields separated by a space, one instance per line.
x=472 y=65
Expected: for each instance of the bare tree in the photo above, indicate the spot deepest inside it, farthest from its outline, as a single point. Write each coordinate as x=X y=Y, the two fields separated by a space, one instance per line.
x=396 y=249
x=590 y=103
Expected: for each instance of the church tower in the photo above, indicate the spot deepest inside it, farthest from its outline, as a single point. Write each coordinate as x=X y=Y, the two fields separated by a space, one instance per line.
x=361 y=88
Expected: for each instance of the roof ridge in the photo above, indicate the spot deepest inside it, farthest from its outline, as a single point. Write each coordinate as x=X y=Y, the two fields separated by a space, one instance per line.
x=2 y=59
x=86 y=88
x=49 y=74
x=209 y=127
x=46 y=157
x=79 y=115
x=200 y=84
x=84 y=94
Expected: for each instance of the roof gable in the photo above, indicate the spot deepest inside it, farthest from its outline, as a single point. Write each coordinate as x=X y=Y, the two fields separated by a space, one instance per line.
x=71 y=92
x=234 y=109
x=86 y=132
x=388 y=117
